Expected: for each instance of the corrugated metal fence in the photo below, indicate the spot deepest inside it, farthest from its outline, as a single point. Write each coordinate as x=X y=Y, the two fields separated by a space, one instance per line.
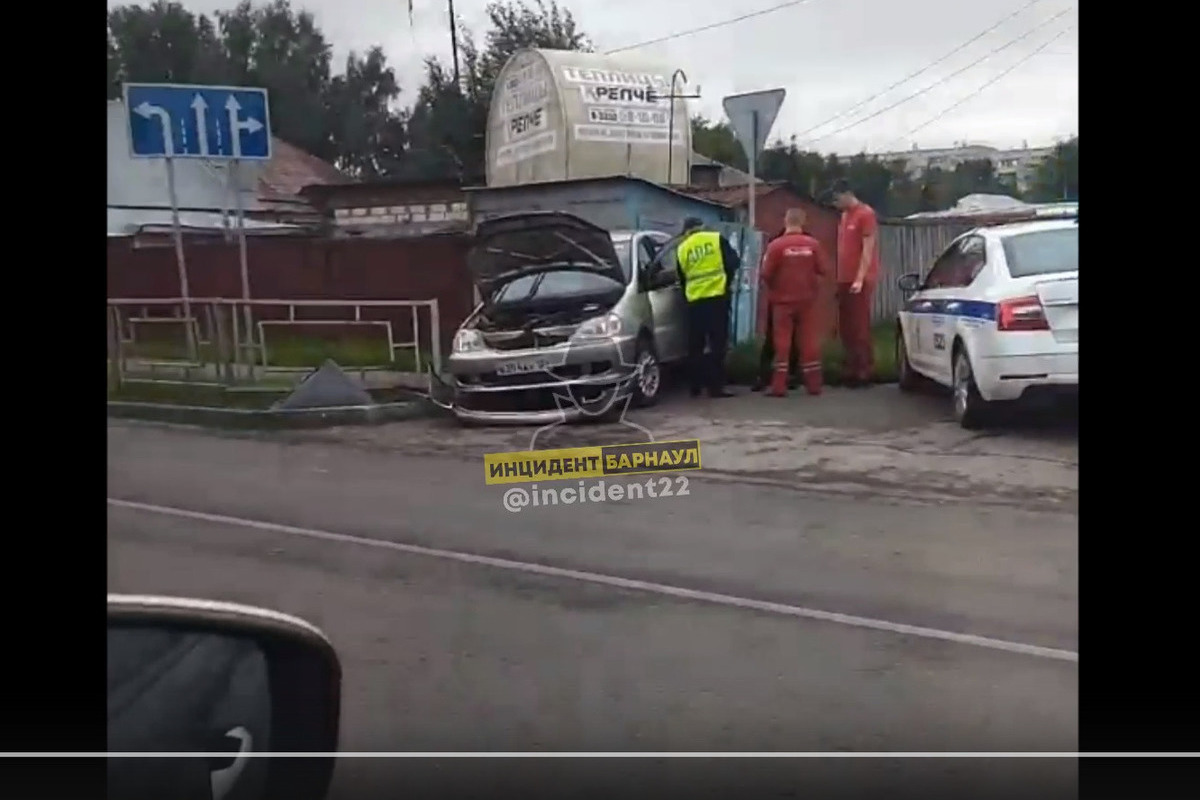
x=908 y=247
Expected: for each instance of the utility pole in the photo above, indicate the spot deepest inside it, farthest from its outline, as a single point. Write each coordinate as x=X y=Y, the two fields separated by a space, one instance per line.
x=454 y=45
x=673 y=96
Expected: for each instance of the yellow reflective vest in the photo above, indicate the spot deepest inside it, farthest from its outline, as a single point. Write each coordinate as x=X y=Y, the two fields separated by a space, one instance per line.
x=702 y=265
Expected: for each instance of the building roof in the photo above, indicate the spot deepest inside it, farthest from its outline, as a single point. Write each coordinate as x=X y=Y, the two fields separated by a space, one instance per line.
x=993 y=205
x=730 y=176
x=733 y=196
x=291 y=169
x=323 y=191
x=130 y=222
x=604 y=179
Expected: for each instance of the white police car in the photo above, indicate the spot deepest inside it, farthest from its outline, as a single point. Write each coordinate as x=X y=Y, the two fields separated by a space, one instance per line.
x=996 y=318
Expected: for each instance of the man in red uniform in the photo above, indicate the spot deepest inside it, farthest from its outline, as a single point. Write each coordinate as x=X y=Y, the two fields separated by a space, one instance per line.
x=857 y=273
x=792 y=269
x=765 y=331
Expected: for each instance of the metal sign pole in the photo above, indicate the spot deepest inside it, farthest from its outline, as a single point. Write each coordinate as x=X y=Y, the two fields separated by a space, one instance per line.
x=234 y=171
x=227 y=233
x=177 y=231
x=172 y=121
x=753 y=159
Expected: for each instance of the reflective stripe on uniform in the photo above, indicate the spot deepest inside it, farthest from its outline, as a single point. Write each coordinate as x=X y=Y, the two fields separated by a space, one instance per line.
x=810 y=366
x=702 y=265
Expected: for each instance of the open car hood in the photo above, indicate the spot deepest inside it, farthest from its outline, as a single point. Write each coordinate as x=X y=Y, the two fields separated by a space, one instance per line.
x=522 y=244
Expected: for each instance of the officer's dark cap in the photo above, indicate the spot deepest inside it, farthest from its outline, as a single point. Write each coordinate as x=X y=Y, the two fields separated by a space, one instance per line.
x=692 y=223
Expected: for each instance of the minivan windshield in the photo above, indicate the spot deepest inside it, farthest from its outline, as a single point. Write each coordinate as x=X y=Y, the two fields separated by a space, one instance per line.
x=1042 y=252
x=558 y=284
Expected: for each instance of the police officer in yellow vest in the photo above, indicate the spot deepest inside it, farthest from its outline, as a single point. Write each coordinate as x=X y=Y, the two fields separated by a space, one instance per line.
x=708 y=266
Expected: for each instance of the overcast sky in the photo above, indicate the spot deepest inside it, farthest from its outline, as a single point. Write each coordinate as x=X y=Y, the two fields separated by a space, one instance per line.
x=830 y=55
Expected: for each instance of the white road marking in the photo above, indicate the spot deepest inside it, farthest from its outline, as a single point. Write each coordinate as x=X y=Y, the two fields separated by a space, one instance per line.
x=614 y=581
x=545 y=754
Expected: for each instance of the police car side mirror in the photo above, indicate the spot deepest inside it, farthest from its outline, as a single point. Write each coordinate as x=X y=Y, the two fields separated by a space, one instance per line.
x=224 y=680
x=909 y=282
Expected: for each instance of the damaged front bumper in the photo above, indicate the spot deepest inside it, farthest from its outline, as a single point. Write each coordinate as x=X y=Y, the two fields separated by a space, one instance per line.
x=474 y=389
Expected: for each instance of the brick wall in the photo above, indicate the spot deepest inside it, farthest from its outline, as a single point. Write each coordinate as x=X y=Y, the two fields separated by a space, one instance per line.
x=408 y=214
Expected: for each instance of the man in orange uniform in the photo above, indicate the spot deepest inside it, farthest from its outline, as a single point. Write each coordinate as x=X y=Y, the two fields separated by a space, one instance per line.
x=857 y=273
x=792 y=270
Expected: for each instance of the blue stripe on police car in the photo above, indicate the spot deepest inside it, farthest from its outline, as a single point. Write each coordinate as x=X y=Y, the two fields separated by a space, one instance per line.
x=950 y=307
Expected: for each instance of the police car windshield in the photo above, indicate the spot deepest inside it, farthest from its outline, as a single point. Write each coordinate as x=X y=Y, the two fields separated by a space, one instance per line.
x=1042 y=252
x=555 y=284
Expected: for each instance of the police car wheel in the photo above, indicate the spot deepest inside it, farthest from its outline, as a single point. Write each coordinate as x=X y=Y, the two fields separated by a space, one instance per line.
x=909 y=380
x=970 y=409
x=648 y=381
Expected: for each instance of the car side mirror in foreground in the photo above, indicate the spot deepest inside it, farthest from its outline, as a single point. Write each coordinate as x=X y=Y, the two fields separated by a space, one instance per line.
x=218 y=683
x=909 y=282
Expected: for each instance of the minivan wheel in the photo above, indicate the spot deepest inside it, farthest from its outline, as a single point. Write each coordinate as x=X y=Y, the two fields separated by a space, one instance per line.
x=970 y=409
x=648 y=381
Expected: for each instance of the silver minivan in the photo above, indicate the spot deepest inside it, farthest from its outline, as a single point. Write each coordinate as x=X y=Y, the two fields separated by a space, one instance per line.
x=574 y=320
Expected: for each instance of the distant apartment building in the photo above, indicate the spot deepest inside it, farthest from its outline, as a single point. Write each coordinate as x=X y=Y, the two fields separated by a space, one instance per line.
x=1016 y=166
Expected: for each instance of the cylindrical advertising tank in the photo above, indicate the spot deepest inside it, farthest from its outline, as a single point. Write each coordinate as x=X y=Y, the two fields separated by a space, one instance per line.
x=564 y=115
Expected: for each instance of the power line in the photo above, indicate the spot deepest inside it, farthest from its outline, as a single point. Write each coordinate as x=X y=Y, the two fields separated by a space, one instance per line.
x=710 y=26
x=989 y=83
x=921 y=71
x=939 y=82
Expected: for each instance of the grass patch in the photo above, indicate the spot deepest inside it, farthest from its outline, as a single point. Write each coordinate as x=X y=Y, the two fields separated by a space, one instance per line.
x=195 y=394
x=291 y=352
x=742 y=361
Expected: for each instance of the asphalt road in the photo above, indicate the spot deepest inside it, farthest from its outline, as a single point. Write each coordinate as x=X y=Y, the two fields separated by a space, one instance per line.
x=441 y=654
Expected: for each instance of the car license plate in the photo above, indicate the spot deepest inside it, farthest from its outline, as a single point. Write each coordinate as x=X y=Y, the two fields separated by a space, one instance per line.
x=524 y=367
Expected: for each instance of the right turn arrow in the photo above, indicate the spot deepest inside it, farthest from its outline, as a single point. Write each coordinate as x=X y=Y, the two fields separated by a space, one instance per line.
x=236 y=126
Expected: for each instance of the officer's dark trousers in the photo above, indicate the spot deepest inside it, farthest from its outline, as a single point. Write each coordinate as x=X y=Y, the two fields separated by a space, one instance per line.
x=708 y=324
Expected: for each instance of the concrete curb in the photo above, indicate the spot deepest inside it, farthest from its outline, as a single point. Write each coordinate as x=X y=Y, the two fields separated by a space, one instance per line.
x=239 y=418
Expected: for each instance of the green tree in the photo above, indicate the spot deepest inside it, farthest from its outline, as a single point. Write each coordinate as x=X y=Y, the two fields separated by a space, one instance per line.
x=366 y=135
x=164 y=43
x=1057 y=176
x=447 y=124
x=804 y=170
x=937 y=190
x=349 y=120
x=872 y=181
x=283 y=50
x=977 y=176
x=904 y=194
x=717 y=141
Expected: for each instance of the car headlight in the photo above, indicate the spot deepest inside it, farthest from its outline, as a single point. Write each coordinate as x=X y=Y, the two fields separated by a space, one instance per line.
x=604 y=327
x=467 y=341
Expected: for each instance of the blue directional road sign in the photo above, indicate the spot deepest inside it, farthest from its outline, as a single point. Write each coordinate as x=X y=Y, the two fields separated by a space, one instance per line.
x=215 y=122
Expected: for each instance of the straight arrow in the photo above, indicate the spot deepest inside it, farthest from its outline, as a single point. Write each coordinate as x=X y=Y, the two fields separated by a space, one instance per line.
x=200 y=109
